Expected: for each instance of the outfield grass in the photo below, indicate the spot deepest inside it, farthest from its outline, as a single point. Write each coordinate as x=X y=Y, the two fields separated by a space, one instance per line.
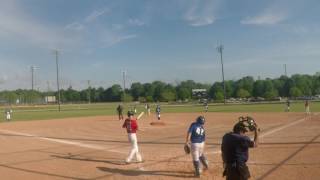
x=43 y=112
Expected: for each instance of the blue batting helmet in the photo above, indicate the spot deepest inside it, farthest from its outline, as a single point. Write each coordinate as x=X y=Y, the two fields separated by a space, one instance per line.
x=201 y=120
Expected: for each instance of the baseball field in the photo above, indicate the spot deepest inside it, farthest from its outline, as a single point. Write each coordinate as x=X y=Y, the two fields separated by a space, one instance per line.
x=87 y=142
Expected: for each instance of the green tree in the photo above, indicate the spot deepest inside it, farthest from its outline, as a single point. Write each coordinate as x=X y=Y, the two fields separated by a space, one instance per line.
x=137 y=90
x=246 y=83
x=215 y=88
x=230 y=88
x=271 y=94
x=126 y=98
x=148 y=90
x=218 y=96
x=71 y=95
x=295 y=92
x=113 y=94
x=183 y=93
x=242 y=93
x=158 y=88
x=258 y=88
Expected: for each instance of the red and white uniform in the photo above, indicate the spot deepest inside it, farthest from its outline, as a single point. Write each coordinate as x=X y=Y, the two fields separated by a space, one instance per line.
x=132 y=126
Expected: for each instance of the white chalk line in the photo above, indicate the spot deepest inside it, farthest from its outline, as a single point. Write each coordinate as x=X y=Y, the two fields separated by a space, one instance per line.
x=272 y=131
x=79 y=144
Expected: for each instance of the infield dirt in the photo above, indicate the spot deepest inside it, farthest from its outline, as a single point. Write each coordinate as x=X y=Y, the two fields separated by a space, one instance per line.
x=95 y=147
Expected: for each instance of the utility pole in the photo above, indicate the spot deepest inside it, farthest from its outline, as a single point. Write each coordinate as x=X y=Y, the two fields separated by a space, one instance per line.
x=48 y=86
x=124 y=85
x=58 y=86
x=32 y=68
x=220 y=50
x=89 y=93
x=285 y=69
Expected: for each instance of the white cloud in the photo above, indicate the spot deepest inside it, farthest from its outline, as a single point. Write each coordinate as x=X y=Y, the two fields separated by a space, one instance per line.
x=75 y=26
x=112 y=38
x=202 y=21
x=95 y=14
x=136 y=22
x=265 y=19
x=117 y=26
x=274 y=13
x=201 y=13
x=106 y=34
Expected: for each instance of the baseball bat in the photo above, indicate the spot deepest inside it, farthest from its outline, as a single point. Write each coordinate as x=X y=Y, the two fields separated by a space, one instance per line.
x=140 y=115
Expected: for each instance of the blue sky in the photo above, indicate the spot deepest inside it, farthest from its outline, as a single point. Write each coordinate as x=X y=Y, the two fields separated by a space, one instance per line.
x=167 y=40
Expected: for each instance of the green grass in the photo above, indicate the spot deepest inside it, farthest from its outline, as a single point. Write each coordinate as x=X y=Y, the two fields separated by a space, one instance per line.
x=43 y=112
x=274 y=107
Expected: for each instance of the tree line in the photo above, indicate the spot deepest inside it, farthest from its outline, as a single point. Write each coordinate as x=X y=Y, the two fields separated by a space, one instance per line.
x=247 y=87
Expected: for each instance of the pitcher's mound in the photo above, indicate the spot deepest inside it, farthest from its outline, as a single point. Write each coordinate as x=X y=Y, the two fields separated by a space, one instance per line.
x=158 y=123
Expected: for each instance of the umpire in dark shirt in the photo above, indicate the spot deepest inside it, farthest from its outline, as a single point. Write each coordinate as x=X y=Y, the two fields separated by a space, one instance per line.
x=235 y=146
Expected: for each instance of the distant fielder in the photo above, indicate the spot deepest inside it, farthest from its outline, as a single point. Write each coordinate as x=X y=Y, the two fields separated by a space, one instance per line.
x=206 y=107
x=196 y=134
x=288 y=106
x=120 y=112
x=132 y=126
x=148 y=109
x=158 y=110
x=7 y=113
x=135 y=109
x=307 y=107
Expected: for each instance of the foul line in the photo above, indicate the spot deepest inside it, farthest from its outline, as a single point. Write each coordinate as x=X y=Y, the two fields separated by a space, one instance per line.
x=79 y=144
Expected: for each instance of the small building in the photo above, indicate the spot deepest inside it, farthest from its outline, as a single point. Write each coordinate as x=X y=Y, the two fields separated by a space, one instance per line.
x=50 y=99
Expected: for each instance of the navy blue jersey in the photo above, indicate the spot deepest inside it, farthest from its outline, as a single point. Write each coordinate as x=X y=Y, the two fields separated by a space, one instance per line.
x=198 y=134
x=235 y=148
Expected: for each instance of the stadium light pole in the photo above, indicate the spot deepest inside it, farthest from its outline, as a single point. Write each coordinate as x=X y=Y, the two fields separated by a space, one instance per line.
x=89 y=88
x=33 y=68
x=285 y=69
x=124 y=85
x=58 y=86
x=220 y=50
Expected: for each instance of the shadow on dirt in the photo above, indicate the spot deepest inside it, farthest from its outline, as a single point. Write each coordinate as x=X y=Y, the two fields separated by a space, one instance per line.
x=71 y=157
x=137 y=172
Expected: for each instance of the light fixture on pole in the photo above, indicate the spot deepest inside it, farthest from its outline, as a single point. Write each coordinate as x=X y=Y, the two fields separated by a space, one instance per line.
x=220 y=50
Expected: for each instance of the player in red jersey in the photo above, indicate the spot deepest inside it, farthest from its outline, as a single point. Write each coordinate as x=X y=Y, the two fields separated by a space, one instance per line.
x=132 y=126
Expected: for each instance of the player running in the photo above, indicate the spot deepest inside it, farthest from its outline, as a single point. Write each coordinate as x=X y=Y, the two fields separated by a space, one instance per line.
x=132 y=126
x=196 y=134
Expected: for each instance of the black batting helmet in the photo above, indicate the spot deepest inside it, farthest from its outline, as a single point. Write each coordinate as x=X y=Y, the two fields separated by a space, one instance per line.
x=130 y=113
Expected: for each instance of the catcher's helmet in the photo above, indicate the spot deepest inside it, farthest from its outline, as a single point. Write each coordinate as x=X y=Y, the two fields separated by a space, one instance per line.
x=240 y=127
x=130 y=113
x=201 y=120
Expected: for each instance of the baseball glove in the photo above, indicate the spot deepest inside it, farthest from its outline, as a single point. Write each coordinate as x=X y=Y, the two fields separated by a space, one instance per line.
x=187 y=148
